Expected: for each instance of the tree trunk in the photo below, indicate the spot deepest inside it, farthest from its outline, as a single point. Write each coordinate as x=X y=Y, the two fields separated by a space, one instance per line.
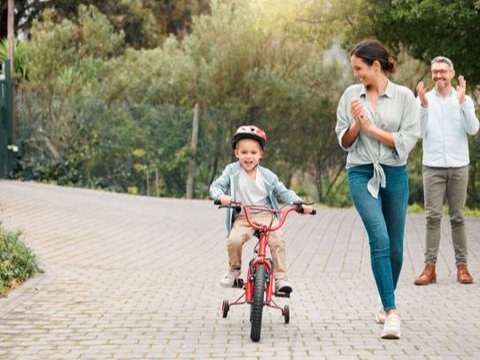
x=193 y=149
x=157 y=182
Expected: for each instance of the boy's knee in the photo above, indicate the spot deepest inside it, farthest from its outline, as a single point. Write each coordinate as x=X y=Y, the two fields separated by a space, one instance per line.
x=235 y=241
x=276 y=243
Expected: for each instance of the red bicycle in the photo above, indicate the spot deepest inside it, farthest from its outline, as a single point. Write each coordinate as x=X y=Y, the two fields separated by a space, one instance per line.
x=259 y=282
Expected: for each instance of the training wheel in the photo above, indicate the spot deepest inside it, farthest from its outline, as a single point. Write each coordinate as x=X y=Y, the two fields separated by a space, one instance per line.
x=225 y=308
x=286 y=314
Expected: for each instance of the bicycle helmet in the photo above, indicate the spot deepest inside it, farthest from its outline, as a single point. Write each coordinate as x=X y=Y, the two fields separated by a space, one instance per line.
x=249 y=132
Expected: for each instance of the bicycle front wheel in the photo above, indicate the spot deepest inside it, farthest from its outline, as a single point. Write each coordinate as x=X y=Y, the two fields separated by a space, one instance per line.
x=258 y=302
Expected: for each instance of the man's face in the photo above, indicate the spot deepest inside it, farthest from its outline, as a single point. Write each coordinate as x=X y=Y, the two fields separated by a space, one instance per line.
x=442 y=75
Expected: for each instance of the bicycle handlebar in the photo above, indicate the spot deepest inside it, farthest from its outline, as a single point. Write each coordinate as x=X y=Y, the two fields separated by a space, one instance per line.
x=284 y=213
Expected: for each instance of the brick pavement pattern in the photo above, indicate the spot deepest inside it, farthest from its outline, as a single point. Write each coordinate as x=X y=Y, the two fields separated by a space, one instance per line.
x=132 y=277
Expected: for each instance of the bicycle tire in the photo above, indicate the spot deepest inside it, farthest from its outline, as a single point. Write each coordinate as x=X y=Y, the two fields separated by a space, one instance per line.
x=286 y=314
x=257 y=303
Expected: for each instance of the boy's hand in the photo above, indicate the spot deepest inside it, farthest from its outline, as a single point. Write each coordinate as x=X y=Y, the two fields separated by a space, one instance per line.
x=225 y=199
x=307 y=209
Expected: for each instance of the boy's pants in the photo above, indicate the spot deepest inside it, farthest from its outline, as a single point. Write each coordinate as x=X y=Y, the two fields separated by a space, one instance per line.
x=242 y=232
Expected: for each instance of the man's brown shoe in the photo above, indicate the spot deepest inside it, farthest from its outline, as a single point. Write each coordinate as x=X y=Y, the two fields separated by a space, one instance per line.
x=428 y=275
x=463 y=276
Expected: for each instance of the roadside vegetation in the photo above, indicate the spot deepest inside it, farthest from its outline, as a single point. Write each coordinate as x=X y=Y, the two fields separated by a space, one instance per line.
x=141 y=97
x=17 y=261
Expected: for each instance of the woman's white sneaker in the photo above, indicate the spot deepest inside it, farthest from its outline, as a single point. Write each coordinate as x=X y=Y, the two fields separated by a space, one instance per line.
x=391 y=329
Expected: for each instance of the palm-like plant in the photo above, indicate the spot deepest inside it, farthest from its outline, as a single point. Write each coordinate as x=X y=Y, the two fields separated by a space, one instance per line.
x=19 y=59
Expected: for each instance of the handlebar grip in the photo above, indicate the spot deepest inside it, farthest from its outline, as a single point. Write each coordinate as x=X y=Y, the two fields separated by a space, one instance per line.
x=217 y=202
x=300 y=210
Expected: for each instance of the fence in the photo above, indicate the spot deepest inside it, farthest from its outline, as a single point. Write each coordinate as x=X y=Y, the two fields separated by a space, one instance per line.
x=8 y=150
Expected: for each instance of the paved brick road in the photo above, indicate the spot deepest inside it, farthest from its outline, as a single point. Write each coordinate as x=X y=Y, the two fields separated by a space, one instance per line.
x=129 y=277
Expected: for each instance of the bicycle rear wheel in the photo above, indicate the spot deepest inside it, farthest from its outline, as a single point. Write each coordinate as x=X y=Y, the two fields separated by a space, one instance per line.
x=258 y=302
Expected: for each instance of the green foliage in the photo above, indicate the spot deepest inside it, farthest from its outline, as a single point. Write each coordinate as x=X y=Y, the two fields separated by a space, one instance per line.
x=17 y=261
x=66 y=57
x=144 y=23
x=426 y=29
x=120 y=117
x=415 y=209
x=116 y=146
x=157 y=76
x=19 y=59
x=415 y=174
x=473 y=198
x=128 y=139
x=267 y=78
x=418 y=209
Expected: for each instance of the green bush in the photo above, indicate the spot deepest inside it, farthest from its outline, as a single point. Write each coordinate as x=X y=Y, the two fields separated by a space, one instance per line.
x=17 y=261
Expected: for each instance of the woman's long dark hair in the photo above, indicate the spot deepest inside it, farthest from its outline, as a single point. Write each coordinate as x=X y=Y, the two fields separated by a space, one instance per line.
x=371 y=50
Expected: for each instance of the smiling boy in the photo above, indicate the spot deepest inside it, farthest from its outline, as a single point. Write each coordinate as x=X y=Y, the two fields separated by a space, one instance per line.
x=247 y=182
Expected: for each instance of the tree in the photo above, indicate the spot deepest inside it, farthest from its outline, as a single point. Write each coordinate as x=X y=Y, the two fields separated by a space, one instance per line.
x=137 y=103
x=426 y=28
x=256 y=74
x=65 y=56
x=144 y=23
x=64 y=59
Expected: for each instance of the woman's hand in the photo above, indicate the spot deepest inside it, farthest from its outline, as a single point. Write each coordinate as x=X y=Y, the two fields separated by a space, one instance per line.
x=360 y=115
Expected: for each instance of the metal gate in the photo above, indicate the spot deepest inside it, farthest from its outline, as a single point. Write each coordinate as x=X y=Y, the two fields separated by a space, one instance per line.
x=7 y=148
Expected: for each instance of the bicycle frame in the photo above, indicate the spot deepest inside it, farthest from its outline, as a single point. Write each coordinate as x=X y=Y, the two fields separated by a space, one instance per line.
x=264 y=232
x=259 y=282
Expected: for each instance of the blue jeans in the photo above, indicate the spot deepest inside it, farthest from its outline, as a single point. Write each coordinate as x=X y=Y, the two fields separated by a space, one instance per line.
x=384 y=221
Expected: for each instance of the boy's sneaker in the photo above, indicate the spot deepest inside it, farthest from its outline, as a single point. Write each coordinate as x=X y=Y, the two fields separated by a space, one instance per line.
x=391 y=329
x=229 y=278
x=283 y=286
x=380 y=313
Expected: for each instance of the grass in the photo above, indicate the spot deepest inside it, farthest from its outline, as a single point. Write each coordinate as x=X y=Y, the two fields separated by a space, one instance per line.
x=17 y=261
x=418 y=209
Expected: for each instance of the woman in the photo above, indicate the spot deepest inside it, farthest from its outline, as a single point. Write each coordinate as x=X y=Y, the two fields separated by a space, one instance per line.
x=377 y=125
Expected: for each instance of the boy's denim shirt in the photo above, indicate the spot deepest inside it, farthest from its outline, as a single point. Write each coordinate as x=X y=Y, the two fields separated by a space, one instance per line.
x=228 y=183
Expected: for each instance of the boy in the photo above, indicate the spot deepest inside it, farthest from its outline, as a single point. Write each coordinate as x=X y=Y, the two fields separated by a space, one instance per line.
x=249 y=183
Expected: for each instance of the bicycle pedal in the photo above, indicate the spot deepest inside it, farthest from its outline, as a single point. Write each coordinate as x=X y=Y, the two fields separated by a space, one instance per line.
x=238 y=283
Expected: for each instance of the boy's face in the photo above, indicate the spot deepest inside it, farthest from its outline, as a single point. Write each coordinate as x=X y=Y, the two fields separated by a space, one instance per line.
x=249 y=153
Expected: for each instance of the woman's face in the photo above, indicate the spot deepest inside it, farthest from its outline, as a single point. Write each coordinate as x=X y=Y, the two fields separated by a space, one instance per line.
x=363 y=72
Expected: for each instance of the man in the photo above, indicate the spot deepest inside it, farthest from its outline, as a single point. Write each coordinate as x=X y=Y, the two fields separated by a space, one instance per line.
x=447 y=115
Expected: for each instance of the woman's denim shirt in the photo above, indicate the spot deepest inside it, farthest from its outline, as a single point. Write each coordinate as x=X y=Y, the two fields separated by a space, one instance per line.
x=228 y=183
